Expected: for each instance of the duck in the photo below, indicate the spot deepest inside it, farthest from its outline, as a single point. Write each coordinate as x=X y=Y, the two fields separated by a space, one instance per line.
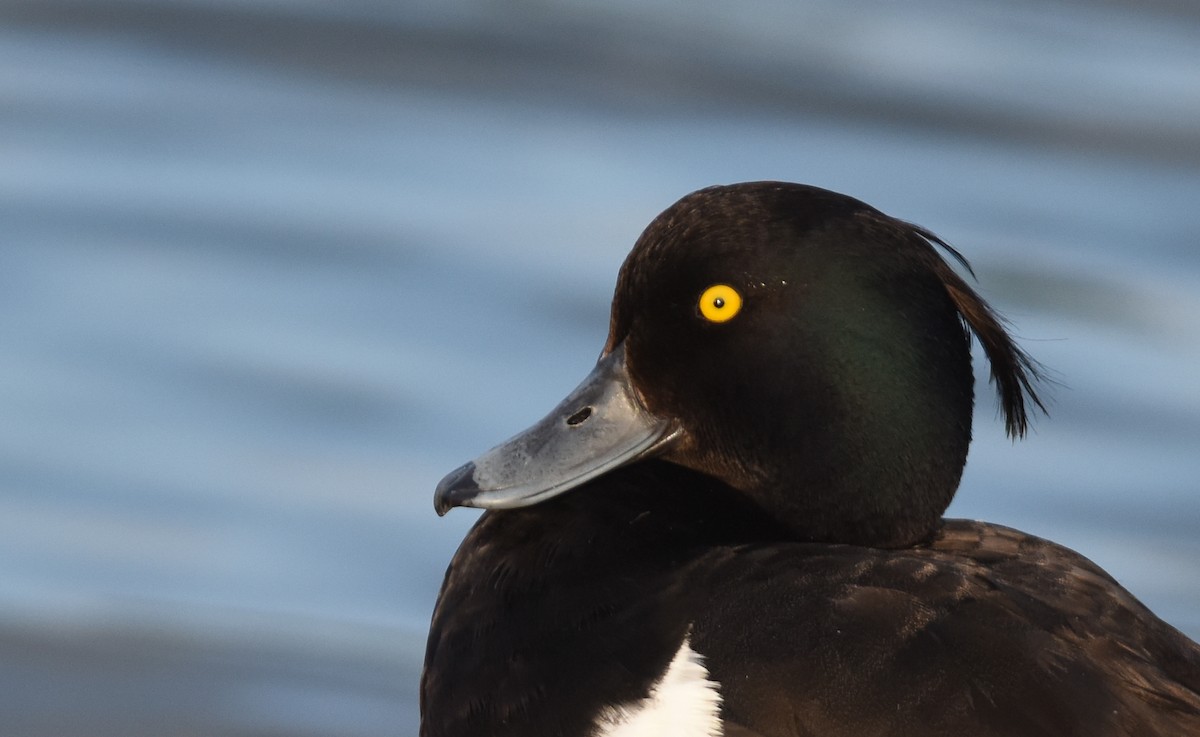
x=734 y=525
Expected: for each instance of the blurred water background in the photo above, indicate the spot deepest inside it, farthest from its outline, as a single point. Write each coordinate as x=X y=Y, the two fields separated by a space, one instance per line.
x=269 y=269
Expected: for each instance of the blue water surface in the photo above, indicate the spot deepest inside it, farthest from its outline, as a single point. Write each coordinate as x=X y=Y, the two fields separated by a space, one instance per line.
x=270 y=269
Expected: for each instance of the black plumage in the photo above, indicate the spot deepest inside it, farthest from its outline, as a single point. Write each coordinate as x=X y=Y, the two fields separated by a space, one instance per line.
x=774 y=495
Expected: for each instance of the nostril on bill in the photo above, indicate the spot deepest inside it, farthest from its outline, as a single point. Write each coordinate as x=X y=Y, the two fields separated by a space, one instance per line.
x=579 y=416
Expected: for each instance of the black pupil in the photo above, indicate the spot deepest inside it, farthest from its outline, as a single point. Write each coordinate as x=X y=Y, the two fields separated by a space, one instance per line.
x=718 y=303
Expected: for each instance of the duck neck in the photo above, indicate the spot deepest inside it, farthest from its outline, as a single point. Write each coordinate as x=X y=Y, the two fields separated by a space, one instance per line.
x=883 y=453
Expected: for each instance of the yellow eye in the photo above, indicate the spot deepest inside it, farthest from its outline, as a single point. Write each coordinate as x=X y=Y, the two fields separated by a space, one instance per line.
x=720 y=302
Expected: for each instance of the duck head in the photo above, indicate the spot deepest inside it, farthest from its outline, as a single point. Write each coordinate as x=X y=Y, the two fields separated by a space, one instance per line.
x=800 y=346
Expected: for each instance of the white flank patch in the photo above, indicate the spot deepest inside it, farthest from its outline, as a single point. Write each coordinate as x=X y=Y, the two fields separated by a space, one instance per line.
x=683 y=703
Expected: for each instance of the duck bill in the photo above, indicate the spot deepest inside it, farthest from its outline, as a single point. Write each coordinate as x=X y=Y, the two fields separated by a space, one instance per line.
x=600 y=426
